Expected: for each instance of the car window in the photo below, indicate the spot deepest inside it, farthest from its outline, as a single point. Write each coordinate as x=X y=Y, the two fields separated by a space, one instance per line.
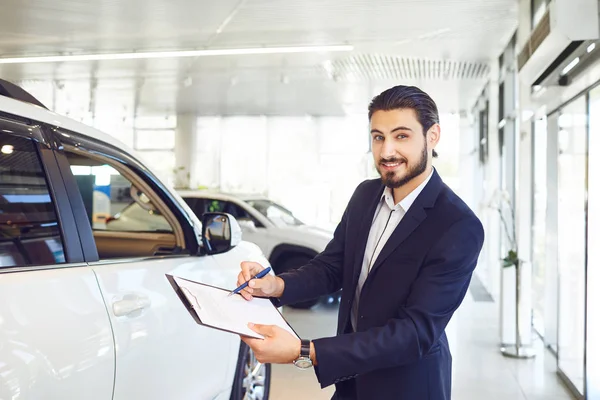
x=196 y=205
x=229 y=207
x=29 y=228
x=203 y=205
x=113 y=202
x=213 y=205
x=275 y=213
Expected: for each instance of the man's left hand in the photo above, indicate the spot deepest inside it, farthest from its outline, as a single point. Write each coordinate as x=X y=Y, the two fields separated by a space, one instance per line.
x=278 y=346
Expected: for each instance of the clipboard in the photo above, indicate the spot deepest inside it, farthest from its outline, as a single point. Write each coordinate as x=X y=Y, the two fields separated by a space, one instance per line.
x=209 y=306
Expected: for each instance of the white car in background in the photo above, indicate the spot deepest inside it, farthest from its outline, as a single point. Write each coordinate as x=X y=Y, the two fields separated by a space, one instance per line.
x=284 y=240
x=86 y=311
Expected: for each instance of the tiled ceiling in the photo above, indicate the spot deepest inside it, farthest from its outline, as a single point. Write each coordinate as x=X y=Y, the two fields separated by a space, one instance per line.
x=442 y=45
x=368 y=67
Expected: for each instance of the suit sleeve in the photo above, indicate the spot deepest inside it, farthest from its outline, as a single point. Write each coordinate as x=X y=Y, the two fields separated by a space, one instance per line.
x=437 y=292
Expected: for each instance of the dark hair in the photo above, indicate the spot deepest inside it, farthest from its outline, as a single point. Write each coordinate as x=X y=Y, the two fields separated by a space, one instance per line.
x=400 y=97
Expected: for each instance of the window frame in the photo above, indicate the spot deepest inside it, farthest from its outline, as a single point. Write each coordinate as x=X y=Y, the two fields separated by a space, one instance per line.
x=64 y=137
x=72 y=248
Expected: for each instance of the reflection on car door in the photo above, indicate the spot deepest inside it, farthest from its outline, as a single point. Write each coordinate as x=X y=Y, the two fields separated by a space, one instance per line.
x=161 y=352
x=55 y=337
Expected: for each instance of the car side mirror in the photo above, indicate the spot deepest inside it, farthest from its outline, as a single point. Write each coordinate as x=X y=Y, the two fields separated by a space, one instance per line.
x=220 y=232
x=248 y=224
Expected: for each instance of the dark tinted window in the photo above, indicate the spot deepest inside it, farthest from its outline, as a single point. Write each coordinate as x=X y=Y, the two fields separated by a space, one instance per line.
x=195 y=203
x=29 y=230
x=226 y=207
x=201 y=206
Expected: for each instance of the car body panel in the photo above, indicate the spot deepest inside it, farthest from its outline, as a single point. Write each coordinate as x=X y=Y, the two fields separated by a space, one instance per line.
x=158 y=342
x=55 y=335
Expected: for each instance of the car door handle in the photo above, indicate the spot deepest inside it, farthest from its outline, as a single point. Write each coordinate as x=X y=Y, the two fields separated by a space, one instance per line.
x=130 y=304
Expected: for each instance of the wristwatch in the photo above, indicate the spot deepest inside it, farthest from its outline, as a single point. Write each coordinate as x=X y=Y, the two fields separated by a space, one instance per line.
x=303 y=361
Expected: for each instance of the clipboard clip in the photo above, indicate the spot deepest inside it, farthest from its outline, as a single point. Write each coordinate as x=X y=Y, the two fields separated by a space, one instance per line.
x=196 y=305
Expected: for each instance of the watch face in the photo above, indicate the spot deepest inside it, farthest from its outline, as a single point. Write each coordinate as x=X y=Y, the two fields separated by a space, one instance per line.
x=303 y=363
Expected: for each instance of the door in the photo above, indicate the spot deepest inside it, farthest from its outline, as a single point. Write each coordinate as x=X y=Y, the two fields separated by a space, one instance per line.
x=161 y=352
x=572 y=193
x=593 y=251
x=56 y=341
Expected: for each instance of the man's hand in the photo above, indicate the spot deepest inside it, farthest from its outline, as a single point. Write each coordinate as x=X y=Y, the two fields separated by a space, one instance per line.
x=278 y=346
x=268 y=286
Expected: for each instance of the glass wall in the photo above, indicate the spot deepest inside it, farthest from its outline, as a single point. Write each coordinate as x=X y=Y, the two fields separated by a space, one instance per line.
x=593 y=255
x=572 y=188
x=539 y=223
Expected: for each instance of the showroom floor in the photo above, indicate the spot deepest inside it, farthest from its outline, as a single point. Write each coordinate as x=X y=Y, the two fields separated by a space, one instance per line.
x=480 y=371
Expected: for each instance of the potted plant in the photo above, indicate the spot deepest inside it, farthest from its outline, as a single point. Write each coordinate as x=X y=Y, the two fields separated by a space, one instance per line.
x=504 y=207
x=511 y=259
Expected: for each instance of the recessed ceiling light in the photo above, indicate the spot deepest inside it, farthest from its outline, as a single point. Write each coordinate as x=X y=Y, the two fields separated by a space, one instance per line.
x=570 y=66
x=7 y=149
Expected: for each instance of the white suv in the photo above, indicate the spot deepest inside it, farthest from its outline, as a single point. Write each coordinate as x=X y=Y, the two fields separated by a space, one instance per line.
x=86 y=312
x=286 y=241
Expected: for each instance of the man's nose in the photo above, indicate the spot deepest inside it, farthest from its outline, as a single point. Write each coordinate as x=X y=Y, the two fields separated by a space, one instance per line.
x=388 y=150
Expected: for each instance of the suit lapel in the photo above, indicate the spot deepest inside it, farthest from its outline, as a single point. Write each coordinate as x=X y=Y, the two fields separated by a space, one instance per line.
x=407 y=225
x=414 y=217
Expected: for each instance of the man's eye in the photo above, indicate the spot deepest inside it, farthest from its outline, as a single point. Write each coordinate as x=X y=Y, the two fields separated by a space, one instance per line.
x=378 y=137
x=402 y=136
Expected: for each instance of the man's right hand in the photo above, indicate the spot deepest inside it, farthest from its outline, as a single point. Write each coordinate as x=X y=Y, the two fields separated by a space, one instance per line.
x=267 y=286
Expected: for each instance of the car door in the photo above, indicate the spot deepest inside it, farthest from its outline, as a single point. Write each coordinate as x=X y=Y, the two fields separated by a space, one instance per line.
x=161 y=353
x=56 y=341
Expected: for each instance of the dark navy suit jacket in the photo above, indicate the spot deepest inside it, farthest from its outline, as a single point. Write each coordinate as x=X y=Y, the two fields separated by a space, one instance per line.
x=399 y=350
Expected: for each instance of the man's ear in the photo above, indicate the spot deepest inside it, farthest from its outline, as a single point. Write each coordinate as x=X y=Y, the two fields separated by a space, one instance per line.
x=433 y=136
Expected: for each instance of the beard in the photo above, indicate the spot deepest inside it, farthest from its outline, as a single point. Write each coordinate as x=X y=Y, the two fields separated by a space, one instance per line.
x=392 y=181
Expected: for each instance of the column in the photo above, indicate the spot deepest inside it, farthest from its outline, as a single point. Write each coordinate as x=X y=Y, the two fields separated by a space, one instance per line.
x=491 y=182
x=206 y=172
x=185 y=145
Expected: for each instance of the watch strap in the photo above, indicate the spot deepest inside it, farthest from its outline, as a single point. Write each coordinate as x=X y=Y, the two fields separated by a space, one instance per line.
x=305 y=348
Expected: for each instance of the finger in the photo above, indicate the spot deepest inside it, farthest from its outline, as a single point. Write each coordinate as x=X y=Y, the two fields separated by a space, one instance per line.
x=250 y=341
x=245 y=274
x=246 y=295
x=257 y=283
x=250 y=268
x=265 y=330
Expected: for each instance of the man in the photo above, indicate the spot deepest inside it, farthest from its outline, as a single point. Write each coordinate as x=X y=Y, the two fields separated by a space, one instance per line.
x=403 y=254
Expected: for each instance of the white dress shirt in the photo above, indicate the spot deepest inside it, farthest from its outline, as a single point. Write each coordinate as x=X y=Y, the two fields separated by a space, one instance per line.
x=387 y=217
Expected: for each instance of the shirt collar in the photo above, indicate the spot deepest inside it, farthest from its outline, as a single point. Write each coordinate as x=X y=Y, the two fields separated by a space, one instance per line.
x=405 y=203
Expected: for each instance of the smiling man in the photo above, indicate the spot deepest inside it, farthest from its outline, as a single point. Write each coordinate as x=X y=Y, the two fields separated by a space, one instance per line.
x=403 y=254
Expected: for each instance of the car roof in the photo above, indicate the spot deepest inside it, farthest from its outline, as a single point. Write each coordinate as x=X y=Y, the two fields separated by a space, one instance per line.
x=204 y=194
x=28 y=110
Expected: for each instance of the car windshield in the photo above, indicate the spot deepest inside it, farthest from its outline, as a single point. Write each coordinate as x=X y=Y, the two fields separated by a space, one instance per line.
x=280 y=216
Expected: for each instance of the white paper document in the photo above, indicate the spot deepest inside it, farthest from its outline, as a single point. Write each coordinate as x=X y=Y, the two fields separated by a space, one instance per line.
x=216 y=309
